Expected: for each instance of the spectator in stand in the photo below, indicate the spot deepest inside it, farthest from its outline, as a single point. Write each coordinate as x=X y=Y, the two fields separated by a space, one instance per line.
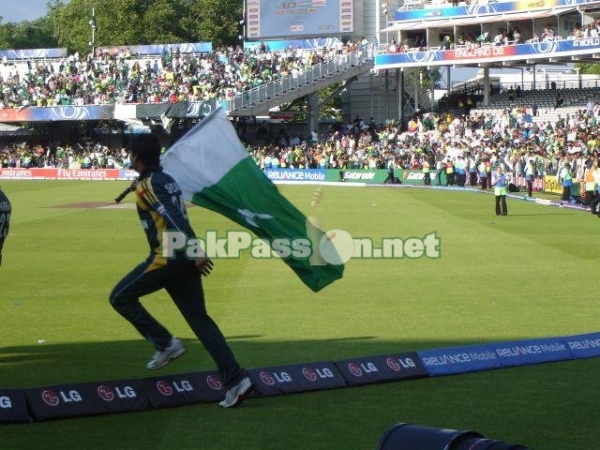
x=534 y=39
x=499 y=38
x=487 y=137
x=512 y=95
x=106 y=79
x=548 y=34
x=559 y=100
x=447 y=43
x=516 y=36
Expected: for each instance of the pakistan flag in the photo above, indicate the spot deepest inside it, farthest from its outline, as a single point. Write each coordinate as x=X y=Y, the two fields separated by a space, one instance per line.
x=215 y=171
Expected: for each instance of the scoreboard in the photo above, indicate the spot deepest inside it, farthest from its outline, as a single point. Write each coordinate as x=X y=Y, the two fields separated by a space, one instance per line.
x=269 y=19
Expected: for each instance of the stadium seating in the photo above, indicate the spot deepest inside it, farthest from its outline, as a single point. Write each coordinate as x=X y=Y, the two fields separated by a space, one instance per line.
x=574 y=100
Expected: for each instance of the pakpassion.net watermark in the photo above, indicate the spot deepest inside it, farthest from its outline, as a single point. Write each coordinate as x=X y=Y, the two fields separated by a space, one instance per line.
x=331 y=247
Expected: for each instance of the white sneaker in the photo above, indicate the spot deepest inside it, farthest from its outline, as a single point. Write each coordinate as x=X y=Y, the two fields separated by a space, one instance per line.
x=163 y=357
x=236 y=395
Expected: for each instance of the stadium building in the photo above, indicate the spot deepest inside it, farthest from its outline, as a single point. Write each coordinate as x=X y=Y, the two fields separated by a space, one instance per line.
x=542 y=39
x=529 y=46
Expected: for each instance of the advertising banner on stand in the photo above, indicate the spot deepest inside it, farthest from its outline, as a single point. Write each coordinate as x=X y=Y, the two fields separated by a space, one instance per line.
x=417 y=178
x=65 y=174
x=296 y=174
x=375 y=176
x=554 y=186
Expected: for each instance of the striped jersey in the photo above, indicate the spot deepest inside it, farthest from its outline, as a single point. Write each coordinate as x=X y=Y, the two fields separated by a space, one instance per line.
x=161 y=209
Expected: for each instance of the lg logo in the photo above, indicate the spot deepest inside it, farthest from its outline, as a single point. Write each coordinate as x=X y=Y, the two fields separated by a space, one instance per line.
x=318 y=373
x=107 y=394
x=167 y=389
x=401 y=363
x=214 y=382
x=51 y=398
x=271 y=378
x=5 y=402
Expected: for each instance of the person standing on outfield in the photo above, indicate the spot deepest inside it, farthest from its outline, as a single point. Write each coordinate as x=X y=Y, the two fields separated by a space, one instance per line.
x=426 y=170
x=161 y=209
x=472 y=166
x=488 y=171
x=591 y=173
x=390 y=173
x=499 y=184
x=529 y=176
x=5 y=211
x=439 y=168
x=596 y=201
x=483 y=175
x=566 y=178
x=449 y=172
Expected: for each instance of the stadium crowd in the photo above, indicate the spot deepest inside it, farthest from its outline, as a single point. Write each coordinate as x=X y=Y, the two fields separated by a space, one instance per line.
x=173 y=77
x=466 y=147
x=504 y=36
x=509 y=139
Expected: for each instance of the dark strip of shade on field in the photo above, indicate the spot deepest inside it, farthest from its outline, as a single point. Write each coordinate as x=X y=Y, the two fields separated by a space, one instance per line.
x=117 y=396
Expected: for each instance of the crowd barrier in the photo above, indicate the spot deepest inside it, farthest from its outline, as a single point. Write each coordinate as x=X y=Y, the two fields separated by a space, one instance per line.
x=66 y=174
x=116 y=396
x=547 y=184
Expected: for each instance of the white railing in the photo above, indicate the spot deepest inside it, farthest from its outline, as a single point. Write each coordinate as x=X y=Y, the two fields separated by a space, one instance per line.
x=339 y=63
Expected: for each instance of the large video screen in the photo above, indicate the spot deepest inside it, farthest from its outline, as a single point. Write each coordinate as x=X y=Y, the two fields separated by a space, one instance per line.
x=268 y=19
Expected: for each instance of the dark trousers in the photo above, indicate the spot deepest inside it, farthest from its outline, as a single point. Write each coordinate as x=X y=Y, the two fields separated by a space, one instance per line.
x=483 y=183
x=566 y=193
x=427 y=178
x=589 y=198
x=183 y=283
x=529 y=188
x=501 y=205
x=595 y=203
x=473 y=178
x=449 y=179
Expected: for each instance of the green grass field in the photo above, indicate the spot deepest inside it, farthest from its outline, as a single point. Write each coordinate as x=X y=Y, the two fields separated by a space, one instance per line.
x=531 y=274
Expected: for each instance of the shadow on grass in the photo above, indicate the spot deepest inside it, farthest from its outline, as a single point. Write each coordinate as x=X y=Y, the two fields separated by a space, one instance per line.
x=48 y=364
x=544 y=406
x=544 y=214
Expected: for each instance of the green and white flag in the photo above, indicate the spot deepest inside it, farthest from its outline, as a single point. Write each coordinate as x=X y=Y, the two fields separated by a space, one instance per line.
x=215 y=171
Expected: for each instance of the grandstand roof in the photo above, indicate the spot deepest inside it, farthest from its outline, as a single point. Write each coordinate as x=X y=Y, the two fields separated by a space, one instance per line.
x=512 y=16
